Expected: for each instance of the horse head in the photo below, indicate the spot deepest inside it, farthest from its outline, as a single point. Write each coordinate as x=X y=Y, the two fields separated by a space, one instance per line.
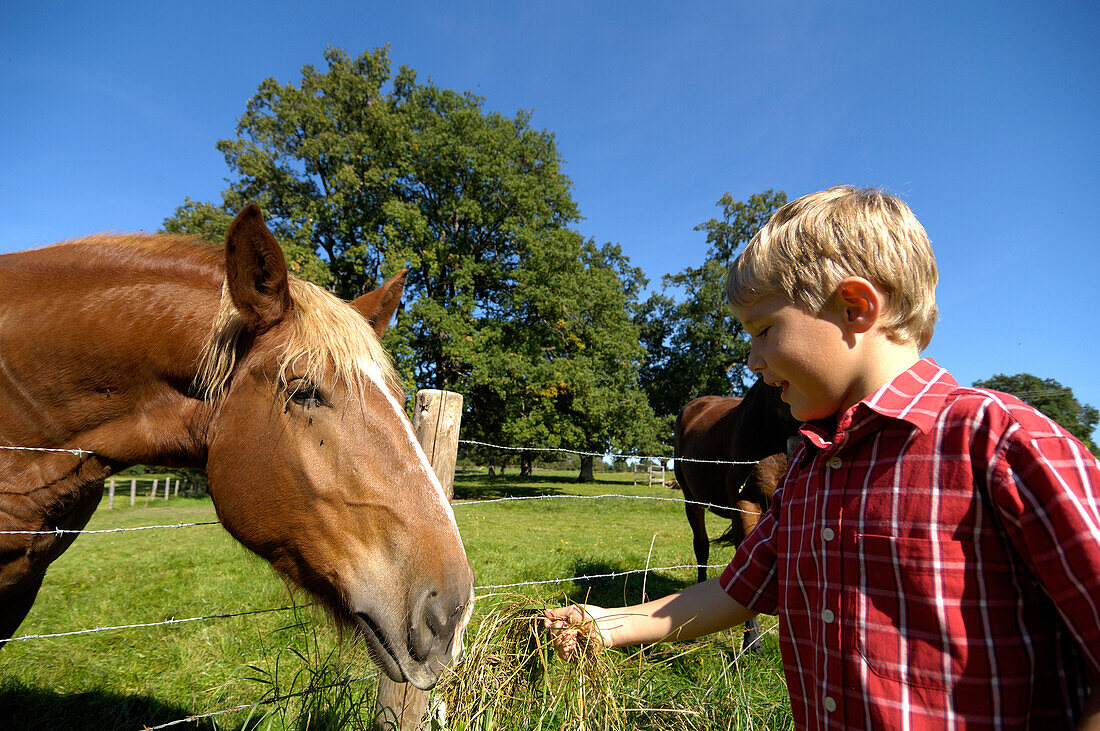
x=770 y=412
x=313 y=464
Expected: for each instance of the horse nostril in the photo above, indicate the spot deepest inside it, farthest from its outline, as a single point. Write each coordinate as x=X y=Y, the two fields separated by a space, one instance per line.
x=434 y=620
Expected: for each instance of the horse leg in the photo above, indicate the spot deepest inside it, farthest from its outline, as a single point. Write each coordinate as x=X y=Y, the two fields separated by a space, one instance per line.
x=750 y=640
x=21 y=577
x=16 y=605
x=749 y=515
x=697 y=519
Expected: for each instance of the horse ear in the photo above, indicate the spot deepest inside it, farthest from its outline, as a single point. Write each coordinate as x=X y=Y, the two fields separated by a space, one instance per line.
x=255 y=270
x=378 y=306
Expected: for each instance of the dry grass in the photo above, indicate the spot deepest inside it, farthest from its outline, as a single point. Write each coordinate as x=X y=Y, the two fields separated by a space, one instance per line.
x=512 y=679
x=509 y=678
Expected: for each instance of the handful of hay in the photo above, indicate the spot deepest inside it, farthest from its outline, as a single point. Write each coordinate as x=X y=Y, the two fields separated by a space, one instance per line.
x=511 y=678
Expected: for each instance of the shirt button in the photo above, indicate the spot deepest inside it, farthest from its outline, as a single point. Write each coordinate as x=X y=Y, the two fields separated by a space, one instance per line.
x=834 y=463
x=828 y=616
x=830 y=704
x=828 y=534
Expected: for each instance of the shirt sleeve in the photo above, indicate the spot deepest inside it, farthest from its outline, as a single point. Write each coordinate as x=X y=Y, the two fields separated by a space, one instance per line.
x=750 y=578
x=1045 y=488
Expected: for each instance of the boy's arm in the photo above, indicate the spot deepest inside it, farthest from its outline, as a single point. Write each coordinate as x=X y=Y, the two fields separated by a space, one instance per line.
x=1047 y=491
x=696 y=611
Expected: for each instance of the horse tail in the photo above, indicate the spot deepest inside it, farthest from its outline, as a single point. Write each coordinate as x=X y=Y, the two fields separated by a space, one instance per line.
x=729 y=538
x=762 y=499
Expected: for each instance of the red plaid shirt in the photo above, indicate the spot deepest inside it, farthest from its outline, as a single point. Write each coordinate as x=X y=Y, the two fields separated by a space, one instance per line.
x=935 y=564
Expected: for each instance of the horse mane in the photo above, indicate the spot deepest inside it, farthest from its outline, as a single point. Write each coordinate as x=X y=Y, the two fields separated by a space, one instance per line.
x=325 y=332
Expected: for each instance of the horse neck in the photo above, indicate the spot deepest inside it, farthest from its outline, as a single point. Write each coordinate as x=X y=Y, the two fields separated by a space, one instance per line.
x=99 y=343
x=764 y=412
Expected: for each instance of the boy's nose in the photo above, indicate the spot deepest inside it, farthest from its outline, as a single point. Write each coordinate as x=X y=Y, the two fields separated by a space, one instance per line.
x=755 y=362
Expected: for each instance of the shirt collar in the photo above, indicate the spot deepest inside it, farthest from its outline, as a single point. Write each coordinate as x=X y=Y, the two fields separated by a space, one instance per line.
x=916 y=396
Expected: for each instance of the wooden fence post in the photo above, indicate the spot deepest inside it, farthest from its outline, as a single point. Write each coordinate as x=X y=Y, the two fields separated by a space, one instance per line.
x=176 y=491
x=437 y=417
x=111 y=495
x=133 y=491
x=653 y=478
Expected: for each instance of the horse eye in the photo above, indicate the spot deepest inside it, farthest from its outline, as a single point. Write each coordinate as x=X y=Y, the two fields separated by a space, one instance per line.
x=307 y=395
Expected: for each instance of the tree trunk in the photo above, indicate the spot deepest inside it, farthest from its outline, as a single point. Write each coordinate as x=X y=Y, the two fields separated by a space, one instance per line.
x=586 y=474
x=526 y=466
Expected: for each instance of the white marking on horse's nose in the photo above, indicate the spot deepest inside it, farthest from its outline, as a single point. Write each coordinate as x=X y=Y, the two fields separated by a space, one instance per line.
x=379 y=382
x=458 y=649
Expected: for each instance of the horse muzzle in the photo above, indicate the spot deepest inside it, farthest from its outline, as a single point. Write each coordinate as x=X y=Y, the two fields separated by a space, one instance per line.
x=417 y=650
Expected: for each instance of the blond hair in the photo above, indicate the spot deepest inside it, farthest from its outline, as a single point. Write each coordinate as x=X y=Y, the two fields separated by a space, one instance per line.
x=813 y=243
x=326 y=333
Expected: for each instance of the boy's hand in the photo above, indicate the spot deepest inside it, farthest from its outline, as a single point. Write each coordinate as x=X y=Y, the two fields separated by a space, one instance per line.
x=566 y=624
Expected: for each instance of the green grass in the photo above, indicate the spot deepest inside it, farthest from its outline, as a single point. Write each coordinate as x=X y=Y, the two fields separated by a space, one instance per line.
x=143 y=677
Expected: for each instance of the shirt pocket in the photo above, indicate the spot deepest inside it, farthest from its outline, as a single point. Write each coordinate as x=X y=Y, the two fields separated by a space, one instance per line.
x=909 y=620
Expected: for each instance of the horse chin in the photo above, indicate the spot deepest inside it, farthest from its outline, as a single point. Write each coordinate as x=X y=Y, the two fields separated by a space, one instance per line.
x=388 y=657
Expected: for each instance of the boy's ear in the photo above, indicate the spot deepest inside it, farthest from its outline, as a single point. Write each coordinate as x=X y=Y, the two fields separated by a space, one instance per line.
x=860 y=303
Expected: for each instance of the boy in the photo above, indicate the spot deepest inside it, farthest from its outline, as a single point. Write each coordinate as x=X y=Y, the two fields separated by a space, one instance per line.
x=933 y=551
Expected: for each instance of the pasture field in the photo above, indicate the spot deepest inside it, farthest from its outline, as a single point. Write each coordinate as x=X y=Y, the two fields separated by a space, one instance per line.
x=291 y=671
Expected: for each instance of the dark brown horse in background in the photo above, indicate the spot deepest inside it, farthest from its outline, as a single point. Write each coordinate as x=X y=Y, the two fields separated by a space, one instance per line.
x=753 y=430
x=160 y=350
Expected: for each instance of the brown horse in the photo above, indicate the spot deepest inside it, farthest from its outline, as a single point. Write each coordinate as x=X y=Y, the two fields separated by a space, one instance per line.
x=753 y=430
x=160 y=350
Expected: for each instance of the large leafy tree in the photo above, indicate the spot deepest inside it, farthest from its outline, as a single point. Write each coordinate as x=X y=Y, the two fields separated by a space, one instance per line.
x=563 y=369
x=1053 y=399
x=361 y=172
x=695 y=346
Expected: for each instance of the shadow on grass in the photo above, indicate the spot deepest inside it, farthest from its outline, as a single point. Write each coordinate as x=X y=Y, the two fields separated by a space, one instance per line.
x=620 y=590
x=477 y=485
x=28 y=708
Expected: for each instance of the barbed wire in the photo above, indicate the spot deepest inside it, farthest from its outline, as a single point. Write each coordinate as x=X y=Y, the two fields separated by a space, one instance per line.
x=614 y=455
x=490 y=445
x=308 y=691
x=142 y=625
x=459 y=504
x=199 y=717
x=487 y=587
x=762 y=633
x=264 y=702
x=685 y=501
x=593 y=577
x=77 y=452
x=63 y=531
x=484 y=588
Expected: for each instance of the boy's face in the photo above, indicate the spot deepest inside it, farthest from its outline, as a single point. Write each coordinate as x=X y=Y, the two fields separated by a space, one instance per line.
x=809 y=356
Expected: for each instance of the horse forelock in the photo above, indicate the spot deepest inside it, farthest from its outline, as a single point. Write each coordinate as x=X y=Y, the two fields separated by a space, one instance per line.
x=328 y=342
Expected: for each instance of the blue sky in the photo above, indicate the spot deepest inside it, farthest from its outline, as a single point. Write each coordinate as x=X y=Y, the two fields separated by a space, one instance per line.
x=982 y=116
